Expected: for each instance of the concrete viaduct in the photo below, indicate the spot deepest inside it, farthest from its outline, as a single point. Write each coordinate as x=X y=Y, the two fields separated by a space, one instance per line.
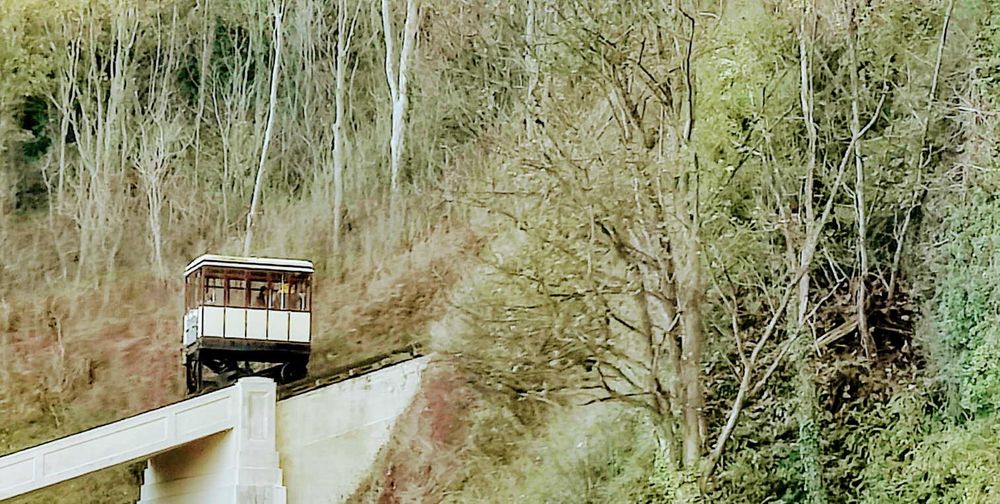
x=237 y=445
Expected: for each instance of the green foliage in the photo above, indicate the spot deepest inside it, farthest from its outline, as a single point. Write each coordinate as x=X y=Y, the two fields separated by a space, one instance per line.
x=666 y=485
x=35 y=118
x=987 y=45
x=572 y=455
x=753 y=153
x=915 y=457
x=966 y=308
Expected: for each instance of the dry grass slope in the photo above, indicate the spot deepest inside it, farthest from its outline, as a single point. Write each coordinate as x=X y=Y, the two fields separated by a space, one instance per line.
x=81 y=358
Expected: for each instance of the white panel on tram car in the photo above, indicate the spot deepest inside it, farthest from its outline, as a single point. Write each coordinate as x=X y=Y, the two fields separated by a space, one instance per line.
x=298 y=327
x=257 y=324
x=212 y=321
x=277 y=325
x=236 y=323
x=191 y=326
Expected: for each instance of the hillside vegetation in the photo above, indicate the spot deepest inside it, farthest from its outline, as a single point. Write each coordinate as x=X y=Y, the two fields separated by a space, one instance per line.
x=684 y=251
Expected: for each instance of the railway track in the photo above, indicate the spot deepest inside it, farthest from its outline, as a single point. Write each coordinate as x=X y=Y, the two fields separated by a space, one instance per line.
x=353 y=370
x=338 y=374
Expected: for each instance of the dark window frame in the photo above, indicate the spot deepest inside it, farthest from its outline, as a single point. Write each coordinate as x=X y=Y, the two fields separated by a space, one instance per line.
x=212 y=276
x=257 y=279
x=199 y=283
x=241 y=292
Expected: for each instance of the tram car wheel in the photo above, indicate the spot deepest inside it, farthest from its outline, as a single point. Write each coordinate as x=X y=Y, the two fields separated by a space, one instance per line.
x=193 y=377
x=292 y=371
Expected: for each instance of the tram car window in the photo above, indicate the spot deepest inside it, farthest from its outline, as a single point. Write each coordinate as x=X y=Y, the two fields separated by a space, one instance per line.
x=246 y=316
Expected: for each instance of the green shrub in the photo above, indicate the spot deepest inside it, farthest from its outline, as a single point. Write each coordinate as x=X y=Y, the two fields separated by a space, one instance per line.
x=597 y=453
x=913 y=457
x=965 y=309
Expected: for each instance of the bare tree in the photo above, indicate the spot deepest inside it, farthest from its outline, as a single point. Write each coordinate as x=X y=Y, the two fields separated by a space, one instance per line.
x=345 y=32
x=160 y=128
x=207 y=40
x=625 y=179
x=636 y=255
x=923 y=158
x=232 y=99
x=861 y=299
x=760 y=361
x=63 y=100
x=398 y=83
x=277 y=8
x=102 y=139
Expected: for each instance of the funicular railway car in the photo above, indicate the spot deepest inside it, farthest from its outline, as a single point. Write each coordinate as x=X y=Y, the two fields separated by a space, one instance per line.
x=246 y=316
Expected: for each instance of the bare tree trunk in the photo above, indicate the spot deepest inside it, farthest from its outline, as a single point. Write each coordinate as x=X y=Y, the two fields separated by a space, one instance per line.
x=160 y=130
x=63 y=101
x=338 y=128
x=657 y=303
x=398 y=85
x=208 y=39
x=531 y=65
x=691 y=290
x=687 y=250
x=861 y=306
x=806 y=388
x=345 y=31
x=806 y=103
x=922 y=159
x=272 y=105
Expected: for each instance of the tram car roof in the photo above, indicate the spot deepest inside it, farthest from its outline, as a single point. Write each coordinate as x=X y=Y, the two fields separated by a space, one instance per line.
x=249 y=263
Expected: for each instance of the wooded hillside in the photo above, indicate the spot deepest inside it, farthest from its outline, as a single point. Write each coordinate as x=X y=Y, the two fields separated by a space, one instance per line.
x=678 y=251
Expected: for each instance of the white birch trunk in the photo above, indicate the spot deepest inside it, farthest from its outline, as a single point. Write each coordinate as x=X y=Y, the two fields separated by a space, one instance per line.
x=97 y=184
x=160 y=131
x=272 y=105
x=63 y=101
x=398 y=85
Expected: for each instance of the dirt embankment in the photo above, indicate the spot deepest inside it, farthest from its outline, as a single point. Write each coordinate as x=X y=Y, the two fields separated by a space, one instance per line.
x=422 y=458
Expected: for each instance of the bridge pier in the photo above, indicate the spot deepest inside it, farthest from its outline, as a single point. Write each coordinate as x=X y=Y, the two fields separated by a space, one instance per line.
x=237 y=466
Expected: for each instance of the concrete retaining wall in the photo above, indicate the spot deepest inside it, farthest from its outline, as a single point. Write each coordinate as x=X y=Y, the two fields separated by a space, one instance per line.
x=329 y=438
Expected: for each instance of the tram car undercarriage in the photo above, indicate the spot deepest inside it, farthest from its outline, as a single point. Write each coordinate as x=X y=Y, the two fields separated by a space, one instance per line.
x=246 y=316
